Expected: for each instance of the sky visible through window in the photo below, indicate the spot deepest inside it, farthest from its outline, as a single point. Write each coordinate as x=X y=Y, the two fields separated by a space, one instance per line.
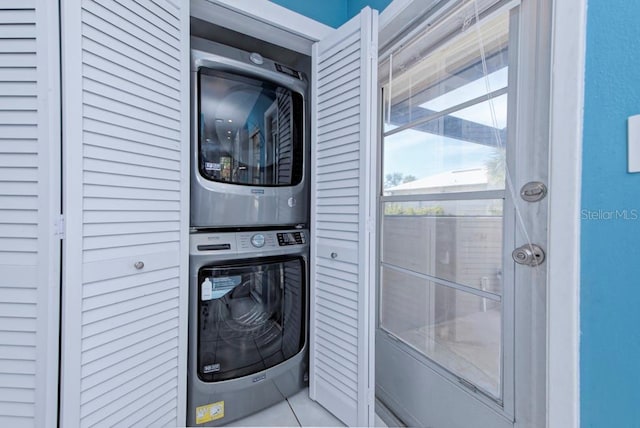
x=420 y=154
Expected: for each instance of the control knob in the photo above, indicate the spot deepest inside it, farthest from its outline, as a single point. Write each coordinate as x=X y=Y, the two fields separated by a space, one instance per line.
x=258 y=240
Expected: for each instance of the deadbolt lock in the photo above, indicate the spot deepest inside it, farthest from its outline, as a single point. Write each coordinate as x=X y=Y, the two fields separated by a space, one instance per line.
x=529 y=255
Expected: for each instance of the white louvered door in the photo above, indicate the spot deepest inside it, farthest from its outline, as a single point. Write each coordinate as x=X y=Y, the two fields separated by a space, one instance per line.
x=29 y=207
x=343 y=219
x=126 y=134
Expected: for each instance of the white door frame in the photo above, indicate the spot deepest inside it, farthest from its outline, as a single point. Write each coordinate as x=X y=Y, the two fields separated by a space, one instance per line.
x=565 y=177
x=263 y=20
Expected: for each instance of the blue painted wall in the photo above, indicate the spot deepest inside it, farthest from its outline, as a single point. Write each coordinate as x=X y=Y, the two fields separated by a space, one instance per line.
x=355 y=6
x=331 y=12
x=610 y=290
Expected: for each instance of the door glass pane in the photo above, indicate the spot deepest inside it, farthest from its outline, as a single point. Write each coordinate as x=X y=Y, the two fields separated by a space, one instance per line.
x=250 y=318
x=450 y=104
x=250 y=131
x=423 y=81
x=457 y=241
x=422 y=161
x=444 y=174
x=458 y=330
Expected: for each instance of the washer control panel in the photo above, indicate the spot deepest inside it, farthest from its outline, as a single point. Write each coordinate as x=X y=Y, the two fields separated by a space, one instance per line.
x=247 y=242
x=291 y=238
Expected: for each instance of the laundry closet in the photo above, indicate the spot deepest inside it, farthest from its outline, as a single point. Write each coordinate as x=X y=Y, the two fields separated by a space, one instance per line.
x=279 y=170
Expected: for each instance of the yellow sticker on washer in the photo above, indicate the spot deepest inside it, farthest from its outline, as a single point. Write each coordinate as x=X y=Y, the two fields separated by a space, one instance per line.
x=210 y=412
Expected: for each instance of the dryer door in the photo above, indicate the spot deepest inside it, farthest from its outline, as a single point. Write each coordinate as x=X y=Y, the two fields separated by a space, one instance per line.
x=250 y=131
x=250 y=316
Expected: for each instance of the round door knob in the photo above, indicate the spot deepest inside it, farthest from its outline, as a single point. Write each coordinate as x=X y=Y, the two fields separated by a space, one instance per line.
x=522 y=255
x=334 y=255
x=528 y=255
x=138 y=265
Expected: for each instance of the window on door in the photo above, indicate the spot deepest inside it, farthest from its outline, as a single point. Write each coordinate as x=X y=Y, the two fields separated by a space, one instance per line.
x=444 y=139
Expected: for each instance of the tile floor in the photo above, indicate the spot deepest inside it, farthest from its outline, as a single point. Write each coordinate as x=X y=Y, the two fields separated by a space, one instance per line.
x=297 y=411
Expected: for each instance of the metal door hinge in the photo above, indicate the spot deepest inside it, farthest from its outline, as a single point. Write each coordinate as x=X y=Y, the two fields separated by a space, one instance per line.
x=58 y=227
x=370 y=225
x=373 y=53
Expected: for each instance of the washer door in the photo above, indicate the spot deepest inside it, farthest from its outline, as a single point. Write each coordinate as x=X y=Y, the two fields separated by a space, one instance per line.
x=250 y=316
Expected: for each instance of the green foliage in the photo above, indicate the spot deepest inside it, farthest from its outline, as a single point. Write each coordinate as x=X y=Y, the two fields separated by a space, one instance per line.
x=496 y=166
x=399 y=209
x=395 y=178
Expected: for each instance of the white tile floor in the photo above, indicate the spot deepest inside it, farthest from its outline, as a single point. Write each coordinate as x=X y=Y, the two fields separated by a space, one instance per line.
x=297 y=411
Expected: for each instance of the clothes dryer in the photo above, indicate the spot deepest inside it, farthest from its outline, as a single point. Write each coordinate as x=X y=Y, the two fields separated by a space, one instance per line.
x=249 y=147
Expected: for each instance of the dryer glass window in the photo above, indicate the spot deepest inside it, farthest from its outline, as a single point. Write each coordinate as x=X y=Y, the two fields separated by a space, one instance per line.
x=250 y=131
x=250 y=317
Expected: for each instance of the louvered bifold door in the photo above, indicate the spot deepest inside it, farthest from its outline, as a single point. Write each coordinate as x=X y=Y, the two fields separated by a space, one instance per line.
x=29 y=210
x=343 y=212
x=126 y=133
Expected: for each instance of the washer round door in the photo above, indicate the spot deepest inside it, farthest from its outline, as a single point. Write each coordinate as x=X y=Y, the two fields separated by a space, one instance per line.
x=250 y=316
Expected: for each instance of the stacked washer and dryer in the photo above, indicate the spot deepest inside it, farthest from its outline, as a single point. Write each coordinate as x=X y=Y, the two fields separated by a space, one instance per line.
x=249 y=245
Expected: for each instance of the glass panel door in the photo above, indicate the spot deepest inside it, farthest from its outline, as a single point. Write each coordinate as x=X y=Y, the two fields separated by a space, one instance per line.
x=250 y=317
x=444 y=149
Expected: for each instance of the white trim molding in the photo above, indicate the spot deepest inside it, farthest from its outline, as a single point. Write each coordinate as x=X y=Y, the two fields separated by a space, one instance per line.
x=567 y=105
x=185 y=182
x=71 y=307
x=263 y=20
x=49 y=197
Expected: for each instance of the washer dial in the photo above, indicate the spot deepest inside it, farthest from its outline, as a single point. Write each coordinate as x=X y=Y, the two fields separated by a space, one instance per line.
x=258 y=240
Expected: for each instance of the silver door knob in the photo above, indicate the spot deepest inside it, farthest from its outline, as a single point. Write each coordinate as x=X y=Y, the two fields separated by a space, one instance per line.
x=334 y=255
x=528 y=255
x=138 y=265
